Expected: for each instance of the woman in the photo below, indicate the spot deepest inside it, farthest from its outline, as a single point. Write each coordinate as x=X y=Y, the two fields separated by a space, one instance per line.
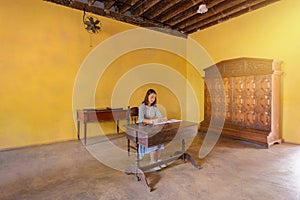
x=150 y=114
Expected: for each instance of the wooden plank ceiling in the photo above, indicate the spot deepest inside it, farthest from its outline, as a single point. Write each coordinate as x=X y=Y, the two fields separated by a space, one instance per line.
x=175 y=16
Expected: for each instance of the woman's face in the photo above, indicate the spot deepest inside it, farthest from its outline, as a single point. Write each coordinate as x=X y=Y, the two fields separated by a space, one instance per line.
x=151 y=98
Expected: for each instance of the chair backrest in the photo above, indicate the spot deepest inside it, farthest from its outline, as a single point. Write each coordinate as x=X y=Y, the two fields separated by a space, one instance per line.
x=134 y=114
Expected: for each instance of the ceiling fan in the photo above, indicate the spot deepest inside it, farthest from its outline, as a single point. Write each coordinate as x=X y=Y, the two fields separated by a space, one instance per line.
x=92 y=24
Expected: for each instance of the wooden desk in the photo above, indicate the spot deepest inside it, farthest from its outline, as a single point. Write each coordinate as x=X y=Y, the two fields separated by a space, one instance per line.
x=99 y=115
x=152 y=135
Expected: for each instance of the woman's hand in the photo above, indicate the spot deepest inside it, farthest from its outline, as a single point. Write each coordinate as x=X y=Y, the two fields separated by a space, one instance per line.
x=156 y=120
x=164 y=119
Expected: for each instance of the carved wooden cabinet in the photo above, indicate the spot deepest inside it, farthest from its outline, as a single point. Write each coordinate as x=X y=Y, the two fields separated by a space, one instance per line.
x=245 y=93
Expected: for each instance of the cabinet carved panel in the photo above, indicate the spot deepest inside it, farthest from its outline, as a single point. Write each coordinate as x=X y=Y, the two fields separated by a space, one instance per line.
x=251 y=94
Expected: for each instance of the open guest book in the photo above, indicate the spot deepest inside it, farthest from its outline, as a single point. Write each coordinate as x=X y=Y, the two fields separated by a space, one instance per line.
x=168 y=121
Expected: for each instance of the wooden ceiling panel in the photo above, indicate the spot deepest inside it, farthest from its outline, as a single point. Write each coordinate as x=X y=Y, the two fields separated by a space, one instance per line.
x=229 y=13
x=173 y=16
x=214 y=10
x=159 y=9
x=177 y=10
x=144 y=6
x=108 y=4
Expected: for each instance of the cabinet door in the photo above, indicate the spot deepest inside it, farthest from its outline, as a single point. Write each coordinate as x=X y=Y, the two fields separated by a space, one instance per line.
x=207 y=104
x=250 y=102
x=263 y=96
x=215 y=100
x=228 y=99
x=238 y=115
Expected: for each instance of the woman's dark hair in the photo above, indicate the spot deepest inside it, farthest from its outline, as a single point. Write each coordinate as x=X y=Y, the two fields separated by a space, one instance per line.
x=146 y=102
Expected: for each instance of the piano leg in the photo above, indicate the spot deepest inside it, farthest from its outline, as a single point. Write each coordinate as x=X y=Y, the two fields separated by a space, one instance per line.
x=189 y=158
x=183 y=150
x=118 y=128
x=85 y=127
x=139 y=175
x=78 y=129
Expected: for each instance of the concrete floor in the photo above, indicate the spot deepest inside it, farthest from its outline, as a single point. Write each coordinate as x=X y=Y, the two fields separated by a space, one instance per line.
x=233 y=170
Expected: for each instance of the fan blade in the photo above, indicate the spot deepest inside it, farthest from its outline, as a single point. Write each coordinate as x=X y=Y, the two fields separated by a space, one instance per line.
x=87 y=23
x=97 y=22
x=92 y=20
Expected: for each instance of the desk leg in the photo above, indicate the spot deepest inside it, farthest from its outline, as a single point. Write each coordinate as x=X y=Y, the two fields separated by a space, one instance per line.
x=183 y=150
x=137 y=155
x=118 y=126
x=187 y=156
x=139 y=174
x=85 y=124
x=78 y=130
x=128 y=147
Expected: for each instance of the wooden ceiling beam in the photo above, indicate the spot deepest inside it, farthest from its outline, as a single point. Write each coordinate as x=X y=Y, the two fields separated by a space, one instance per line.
x=222 y=16
x=176 y=10
x=229 y=14
x=246 y=10
x=127 y=5
x=169 y=15
x=158 y=9
x=108 y=4
x=143 y=7
x=114 y=15
x=91 y=2
x=190 y=13
x=211 y=12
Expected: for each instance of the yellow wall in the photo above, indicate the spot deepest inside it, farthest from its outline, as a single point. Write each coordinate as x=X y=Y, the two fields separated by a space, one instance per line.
x=270 y=32
x=130 y=61
x=147 y=58
x=132 y=68
x=42 y=47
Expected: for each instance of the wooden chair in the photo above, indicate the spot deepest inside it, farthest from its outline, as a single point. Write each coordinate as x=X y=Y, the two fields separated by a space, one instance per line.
x=133 y=114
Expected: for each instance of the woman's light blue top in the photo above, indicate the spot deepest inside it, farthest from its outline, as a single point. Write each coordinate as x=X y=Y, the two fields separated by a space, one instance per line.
x=148 y=112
